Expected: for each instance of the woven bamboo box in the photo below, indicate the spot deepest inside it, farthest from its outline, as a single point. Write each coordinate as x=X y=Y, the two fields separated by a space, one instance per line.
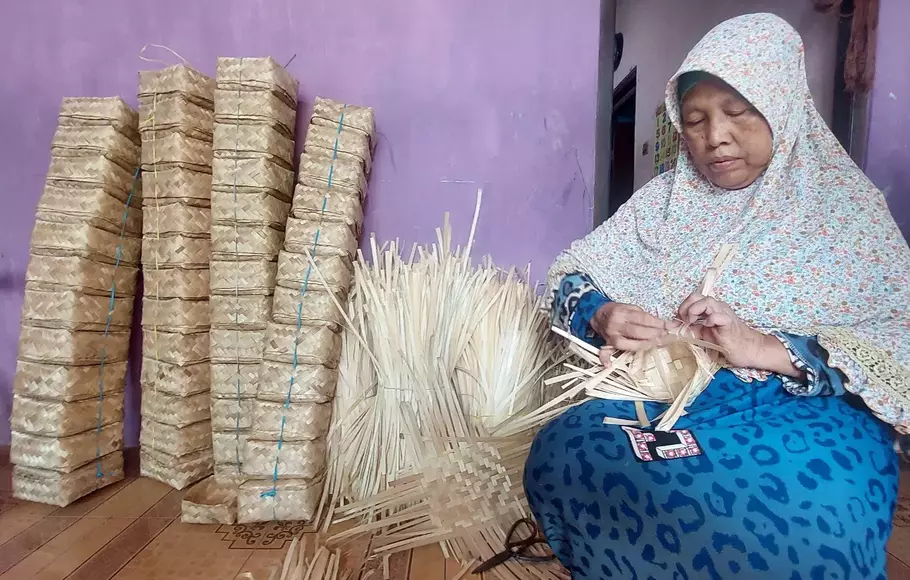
x=176 y=251
x=178 y=79
x=183 y=283
x=176 y=217
x=236 y=346
x=92 y=141
x=90 y=171
x=245 y=242
x=256 y=74
x=231 y=414
x=236 y=141
x=302 y=421
x=176 y=183
x=176 y=380
x=176 y=348
x=314 y=345
x=175 y=114
x=253 y=176
x=294 y=500
x=99 y=112
x=72 y=347
x=173 y=440
x=75 y=310
x=178 y=411
x=229 y=446
x=254 y=108
x=177 y=472
x=176 y=315
x=53 y=382
x=241 y=312
x=249 y=209
x=326 y=172
x=313 y=307
x=85 y=241
x=335 y=239
x=229 y=378
x=178 y=150
x=312 y=383
x=55 y=272
x=64 y=453
x=61 y=489
x=59 y=419
x=336 y=271
x=254 y=277
x=296 y=459
x=207 y=502
x=91 y=205
x=349 y=145
x=328 y=205
x=329 y=113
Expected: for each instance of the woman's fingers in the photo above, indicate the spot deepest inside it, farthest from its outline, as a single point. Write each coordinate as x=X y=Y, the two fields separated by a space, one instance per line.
x=630 y=345
x=683 y=311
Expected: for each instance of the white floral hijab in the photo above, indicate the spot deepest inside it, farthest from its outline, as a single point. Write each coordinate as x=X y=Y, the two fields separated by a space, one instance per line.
x=817 y=251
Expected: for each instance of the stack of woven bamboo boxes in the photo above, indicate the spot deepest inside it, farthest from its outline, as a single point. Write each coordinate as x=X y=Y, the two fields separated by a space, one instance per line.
x=252 y=186
x=176 y=123
x=67 y=418
x=286 y=451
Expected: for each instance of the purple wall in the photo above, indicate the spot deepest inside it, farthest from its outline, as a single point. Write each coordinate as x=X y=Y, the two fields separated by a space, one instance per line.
x=466 y=93
x=888 y=153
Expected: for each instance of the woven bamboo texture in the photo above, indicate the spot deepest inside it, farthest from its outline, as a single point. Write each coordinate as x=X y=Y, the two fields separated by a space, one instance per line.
x=176 y=183
x=90 y=171
x=175 y=348
x=254 y=108
x=324 y=171
x=177 y=380
x=99 y=112
x=207 y=502
x=336 y=271
x=302 y=421
x=328 y=205
x=83 y=240
x=245 y=242
x=316 y=345
x=177 y=150
x=229 y=474
x=347 y=144
x=238 y=141
x=75 y=310
x=241 y=312
x=177 y=472
x=64 y=453
x=166 y=114
x=59 y=419
x=62 y=489
x=174 y=440
x=294 y=499
x=312 y=383
x=176 y=314
x=176 y=218
x=249 y=209
x=335 y=239
x=91 y=141
x=237 y=346
x=255 y=175
x=52 y=382
x=314 y=307
x=231 y=414
x=228 y=378
x=178 y=79
x=229 y=445
x=176 y=251
x=183 y=283
x=257 y=74
x=77 y=273
x=91 y=205
x=327 y=112
x=298 y=459
x=71 y=347
x=175 y=410
x=246 y=278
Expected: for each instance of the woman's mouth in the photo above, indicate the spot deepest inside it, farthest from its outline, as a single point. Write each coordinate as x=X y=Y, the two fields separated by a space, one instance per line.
x=723 y=163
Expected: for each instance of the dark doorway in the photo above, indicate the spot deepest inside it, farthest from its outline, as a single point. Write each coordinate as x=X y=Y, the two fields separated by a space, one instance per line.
x=622 y=172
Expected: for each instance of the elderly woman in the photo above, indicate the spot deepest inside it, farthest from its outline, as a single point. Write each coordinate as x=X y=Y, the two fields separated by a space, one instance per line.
x=790 y=469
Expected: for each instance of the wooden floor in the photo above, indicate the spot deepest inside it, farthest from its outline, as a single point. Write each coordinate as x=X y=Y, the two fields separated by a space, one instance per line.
x=132 y=530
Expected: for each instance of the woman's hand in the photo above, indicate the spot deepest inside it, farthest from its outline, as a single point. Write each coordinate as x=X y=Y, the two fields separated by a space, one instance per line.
x=715 y=322
x=627 y=328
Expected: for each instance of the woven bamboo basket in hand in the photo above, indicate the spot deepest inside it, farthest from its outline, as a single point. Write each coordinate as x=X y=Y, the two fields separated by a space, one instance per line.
x=61 y=489
x=176 y=251
x=346 y=175
x=183 y=283
x=85 y=241
x=178 y=79
x=253 y=176
x=71 y=347
x=245 y=242
x=175 y=348
x=336 y=272
x=244 y=278
x=231 y=414
x=207 y=502
x=90 y=171
x=297 y=459
x=162 y=115
x=257 y=74
x=173 y=379
x=55 y=272
x=91 y=141
x=294 y=500
x=237 y=346
x=316 y=345
x=173 y=440
x=176 y=217
x=53 y=382
x=229 y=378
x=177 y=150
x=327 y=112
x=237 y=141
x=249 y=209
x=229 y=446
x=176 y=315
x=313 y=307
x=348 y=144
x=99 y=112
x=175 y=410
x=335 y=239
x=327 y=205
x=177 y=472
x=241 y=312
x=91 y=205
x=302 y=421
x=312 y=383
x=59 y=419
x=75 y=310
x=254 y=108
x=176 y=183
x=65 y=453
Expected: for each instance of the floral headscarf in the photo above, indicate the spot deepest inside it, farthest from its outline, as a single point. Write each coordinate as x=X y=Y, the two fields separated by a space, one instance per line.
x=817 y=251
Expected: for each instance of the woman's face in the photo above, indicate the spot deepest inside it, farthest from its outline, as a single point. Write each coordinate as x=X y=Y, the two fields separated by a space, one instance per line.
x=729 y=141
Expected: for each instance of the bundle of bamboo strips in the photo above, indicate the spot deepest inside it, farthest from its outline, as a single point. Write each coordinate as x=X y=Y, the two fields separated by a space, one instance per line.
x=67 y=415
x=176 y=123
